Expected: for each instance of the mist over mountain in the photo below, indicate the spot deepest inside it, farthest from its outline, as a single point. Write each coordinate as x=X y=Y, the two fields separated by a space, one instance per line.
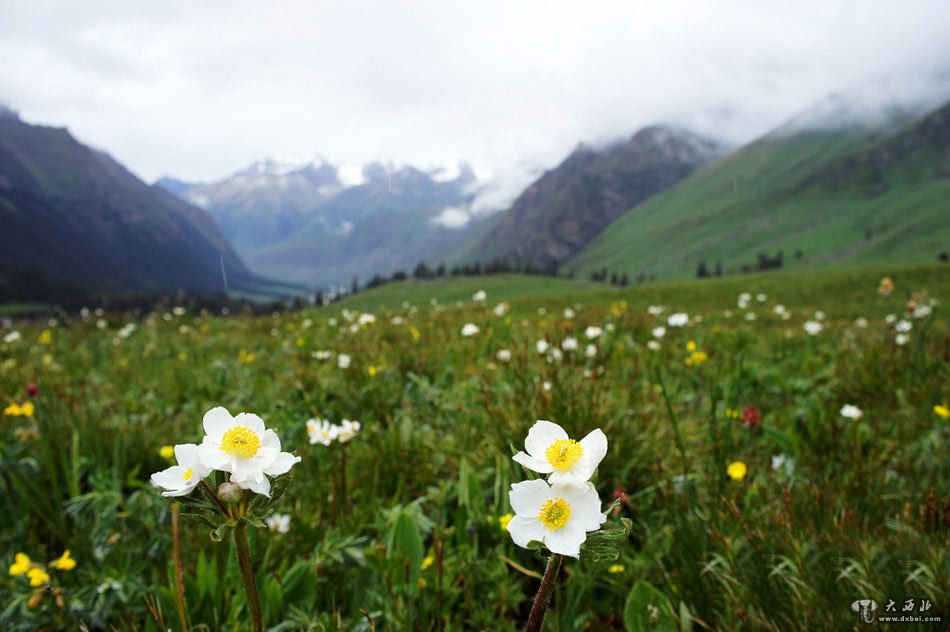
x=561 y=212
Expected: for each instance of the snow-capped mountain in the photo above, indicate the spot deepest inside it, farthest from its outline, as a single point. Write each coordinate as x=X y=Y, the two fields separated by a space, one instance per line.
x=286 y=215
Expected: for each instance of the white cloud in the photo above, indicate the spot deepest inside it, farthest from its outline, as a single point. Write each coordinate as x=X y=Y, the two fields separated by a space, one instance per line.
x=200 y=90
x=452 y=217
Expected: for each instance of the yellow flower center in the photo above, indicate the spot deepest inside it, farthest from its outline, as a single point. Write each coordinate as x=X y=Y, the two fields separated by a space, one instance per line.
x=188 y=474
x=240 y=441
x=555 y=513
x=564 y=453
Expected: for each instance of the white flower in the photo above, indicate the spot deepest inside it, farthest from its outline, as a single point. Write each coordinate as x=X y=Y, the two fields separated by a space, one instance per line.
x=347 y=430
x=322 y=354
x=653 y=345
x=779 y=309
x=760 y=298
x=542 y=311
x=655 y=310
x=343 y=361
x=819 y=315
x=677 y=320
x=569 y=344
x=181 y=479
x=901 y=339
x=501 y=309
x=469 y=329
x=546 y=386
x=551 y=451
x=179 y=311
x=397 y=320
x=590 y=351
x=568 y=313
x=922 y=311
x=321 y=431
x=542 y=346
x=13 y=336
x=658 y=332
x=780 y=460
x=610 y=327
x=813 y=327
x=890 y=319
x=278 y=522
x=593 y=332
x=555 y=356
x=241 y=445
x=366 y=319
x=558 y=515
x=103 y=324
x=503 y=355
x=750 y=316
x=861 y=322
x=479 y=296
x=903 y=326
x=851 y=412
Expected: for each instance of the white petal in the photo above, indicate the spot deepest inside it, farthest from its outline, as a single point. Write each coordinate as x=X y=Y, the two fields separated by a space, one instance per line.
x=168 y=478
x=212 y=457
x=252 y=421
x=527 y=497
x=533 y=464
x=216 y=422
x=264 y=456
x=541 y=435
x=567 y=540
x=585 y=505
x=184 y=491
x=270 y=440
x=245 y=470
x=523 y=530
x=186 y=454
x=260 y=487
x=595 y=448
x=282 y=464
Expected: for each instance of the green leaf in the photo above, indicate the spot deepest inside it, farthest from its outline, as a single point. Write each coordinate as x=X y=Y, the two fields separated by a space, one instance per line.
x=648 y=609
x=405 y=543
x=299 y=585
x=604 y=545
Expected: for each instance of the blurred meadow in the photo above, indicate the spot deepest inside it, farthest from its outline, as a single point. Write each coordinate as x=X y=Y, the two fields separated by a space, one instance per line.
x=401 y=528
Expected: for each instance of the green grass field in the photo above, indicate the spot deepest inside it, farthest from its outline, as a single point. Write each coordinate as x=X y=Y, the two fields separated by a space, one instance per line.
x=830 y=510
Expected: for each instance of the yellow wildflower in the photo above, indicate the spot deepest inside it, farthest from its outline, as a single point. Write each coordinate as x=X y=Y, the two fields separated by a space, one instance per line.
x=63 y=562
x=21 y=565
x=691 y=346
x=300 y=342
x=244 y=357
x=415 y=333
x=736 y=470
x=46 y=337
x=13 y=410
x=427 y=561
x=38 y=577
x=616 y=568
x=166 y=451
x=421 y=582
x=942 y=411
x=26 y=409
x=504 y=520
x=372 y=371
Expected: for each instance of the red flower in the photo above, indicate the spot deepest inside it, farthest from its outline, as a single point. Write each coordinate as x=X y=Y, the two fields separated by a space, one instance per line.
x=32 y=390
x=621 y=494
x=751 y=416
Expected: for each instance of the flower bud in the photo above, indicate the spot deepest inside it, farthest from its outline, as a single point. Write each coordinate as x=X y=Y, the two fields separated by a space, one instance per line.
x=32 y=390
x=230 y=492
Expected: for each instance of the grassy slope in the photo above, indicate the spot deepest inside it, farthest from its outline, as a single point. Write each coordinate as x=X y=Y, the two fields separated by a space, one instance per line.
x=754 y=201
x=849 y=285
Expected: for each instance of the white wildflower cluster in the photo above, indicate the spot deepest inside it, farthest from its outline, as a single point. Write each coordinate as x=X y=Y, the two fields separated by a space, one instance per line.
x=850 y=411
x=240 y=446
x=469 y=330
x=561 y=511
x=323 y=432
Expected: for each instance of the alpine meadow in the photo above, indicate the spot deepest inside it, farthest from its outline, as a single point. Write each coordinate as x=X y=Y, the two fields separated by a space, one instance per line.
x=474 y=316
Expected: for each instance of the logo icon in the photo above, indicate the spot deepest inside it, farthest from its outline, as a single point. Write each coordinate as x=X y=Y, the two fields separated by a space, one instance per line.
x=866 y=608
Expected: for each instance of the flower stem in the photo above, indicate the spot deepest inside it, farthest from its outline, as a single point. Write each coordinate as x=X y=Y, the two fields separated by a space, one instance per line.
x=543 y=598
x=343 y=500
x=247 y=575
x=179 y=572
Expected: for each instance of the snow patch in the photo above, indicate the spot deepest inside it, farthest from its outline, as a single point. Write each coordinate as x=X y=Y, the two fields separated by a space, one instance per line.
x=350 y=175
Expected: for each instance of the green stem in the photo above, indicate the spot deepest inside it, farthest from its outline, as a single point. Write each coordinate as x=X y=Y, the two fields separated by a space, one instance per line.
x=543 y=598
x=247 y=575
x=676 y=425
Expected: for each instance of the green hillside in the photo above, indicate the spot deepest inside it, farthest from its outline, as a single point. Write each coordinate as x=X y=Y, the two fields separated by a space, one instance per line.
x=817 y=196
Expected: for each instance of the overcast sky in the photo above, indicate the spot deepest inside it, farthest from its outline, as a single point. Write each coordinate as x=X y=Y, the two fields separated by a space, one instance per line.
x=200 y=89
